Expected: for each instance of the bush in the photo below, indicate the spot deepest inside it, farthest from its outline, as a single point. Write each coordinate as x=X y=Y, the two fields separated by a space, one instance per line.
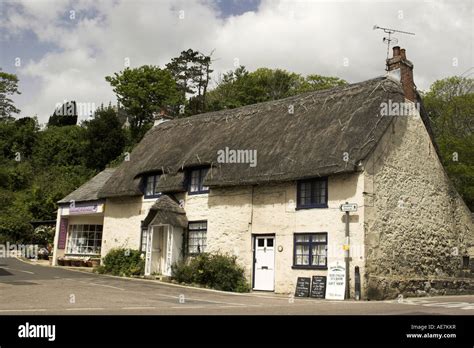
x=216 y=271
x=122 y=262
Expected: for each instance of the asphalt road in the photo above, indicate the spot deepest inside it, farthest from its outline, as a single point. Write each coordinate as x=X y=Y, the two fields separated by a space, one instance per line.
x=27 y=288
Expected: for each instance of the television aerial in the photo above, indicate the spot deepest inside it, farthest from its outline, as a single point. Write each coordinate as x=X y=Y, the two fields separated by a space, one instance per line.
x=391 y=39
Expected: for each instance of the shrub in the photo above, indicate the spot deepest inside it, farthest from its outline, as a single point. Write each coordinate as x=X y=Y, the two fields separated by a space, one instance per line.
x=122 y=262
x=217 y=271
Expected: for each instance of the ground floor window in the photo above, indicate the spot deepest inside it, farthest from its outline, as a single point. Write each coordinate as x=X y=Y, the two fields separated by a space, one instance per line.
x=310 y=250
x=84 y=239
x=197 y=234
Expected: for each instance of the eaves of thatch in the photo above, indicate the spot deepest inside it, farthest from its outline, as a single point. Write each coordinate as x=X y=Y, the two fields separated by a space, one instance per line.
x=304 y=136
x=89 y=191
x=166 y=211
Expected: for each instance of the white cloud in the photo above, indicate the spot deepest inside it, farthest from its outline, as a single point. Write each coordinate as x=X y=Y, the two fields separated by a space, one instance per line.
x=301 y=36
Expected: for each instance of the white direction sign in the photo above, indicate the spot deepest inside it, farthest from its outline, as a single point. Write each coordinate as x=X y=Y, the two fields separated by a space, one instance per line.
x=349 y=207
x=336 y=282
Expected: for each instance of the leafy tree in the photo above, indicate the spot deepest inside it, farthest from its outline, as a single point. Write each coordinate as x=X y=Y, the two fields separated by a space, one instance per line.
x=240 y=87
x=105 y=138
x=64 y=115
x=143 y=91
x=8 y=87
x=450 y=106
x=63 y=146
x=192 y=72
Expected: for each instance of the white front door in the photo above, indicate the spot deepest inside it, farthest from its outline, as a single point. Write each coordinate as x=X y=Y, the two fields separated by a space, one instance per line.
x=264 y=263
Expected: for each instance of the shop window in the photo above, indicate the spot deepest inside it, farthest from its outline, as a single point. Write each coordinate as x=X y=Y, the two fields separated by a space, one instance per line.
x=84 y=240
x=310 y=250
x=195 y=181
x=197 y=236
x=151 y=185
x=312 y=193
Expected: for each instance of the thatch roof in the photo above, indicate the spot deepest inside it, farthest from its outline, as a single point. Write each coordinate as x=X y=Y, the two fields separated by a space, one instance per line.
x=166 y=211
x=307 y=143
x=89 y=191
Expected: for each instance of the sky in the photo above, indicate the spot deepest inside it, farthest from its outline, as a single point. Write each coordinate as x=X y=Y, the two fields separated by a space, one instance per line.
x=62 y=50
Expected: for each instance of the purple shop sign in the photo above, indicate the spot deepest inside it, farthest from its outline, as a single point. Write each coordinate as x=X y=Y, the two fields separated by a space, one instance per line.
x=83 y=209
x=62 y=233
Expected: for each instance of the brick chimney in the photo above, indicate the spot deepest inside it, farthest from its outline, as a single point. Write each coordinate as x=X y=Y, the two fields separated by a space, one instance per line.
x=402 y=69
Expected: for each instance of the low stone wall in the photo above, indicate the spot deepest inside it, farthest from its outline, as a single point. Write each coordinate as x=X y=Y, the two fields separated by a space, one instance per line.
x=380 y=288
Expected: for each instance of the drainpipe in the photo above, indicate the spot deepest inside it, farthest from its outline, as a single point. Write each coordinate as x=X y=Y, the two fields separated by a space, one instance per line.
x=346 y=252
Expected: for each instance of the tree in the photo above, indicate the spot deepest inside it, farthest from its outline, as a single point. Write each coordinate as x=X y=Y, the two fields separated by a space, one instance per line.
x=450 y=106
x=240 y=87
x=64 y=115
x=60 y=146
x=192 y=72
x=8 y=87
x=143 y=91
x=105 y=138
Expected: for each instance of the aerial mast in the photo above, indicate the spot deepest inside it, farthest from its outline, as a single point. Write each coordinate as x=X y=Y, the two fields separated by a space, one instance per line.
x=389 y=39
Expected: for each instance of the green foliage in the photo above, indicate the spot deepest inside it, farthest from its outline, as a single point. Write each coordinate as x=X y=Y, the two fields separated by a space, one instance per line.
x=450 y=105
x=43 y=235
x=8 y=87
x=105 y=138
x=64 y=115
x=123 y=262
x=240 y=87
x=61 y=146
x=217 y=271
x=192 y=72
x=143 y=91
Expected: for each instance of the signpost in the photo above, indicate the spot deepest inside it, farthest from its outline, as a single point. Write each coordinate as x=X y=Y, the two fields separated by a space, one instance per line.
x=336 y=282
x=302 y=287
x=347 y=208
x=318 y=286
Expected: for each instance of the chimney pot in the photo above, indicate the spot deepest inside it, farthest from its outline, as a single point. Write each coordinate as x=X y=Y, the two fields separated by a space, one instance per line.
x=396 y=51
x=403 y=53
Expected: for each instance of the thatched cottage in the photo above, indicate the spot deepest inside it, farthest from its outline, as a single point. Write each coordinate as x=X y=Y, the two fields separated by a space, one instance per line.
x=265 y=182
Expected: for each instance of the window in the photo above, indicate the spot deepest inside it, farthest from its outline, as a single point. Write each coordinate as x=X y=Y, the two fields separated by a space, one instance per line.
x=310 y=250
x=144 y=240
x=84 y=239
x=197 y=232
x=196 y=178
x=151 y=185
x=465 y=262
x=312 y=193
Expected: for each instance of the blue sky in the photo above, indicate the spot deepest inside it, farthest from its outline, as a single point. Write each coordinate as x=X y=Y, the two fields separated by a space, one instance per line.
x=66 y=48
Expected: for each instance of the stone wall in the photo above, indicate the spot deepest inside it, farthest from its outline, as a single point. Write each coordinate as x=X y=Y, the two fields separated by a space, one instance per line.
x=417 y=227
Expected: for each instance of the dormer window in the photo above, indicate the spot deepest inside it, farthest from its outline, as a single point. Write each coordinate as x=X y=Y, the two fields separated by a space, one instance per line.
x=196 y=179
x=151 y=185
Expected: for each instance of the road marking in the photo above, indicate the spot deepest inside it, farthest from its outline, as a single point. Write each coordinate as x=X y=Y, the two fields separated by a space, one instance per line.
x=189 y=307
x=19 y=270
x=139 y=307
x=107 y=286
x=23 y=310
x=84 y=309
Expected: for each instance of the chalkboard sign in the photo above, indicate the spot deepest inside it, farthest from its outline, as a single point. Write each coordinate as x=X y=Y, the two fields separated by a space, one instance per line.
x=302 y=287
x=318 y=287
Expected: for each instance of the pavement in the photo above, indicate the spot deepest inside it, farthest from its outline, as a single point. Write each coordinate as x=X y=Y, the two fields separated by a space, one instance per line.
x=28 y=289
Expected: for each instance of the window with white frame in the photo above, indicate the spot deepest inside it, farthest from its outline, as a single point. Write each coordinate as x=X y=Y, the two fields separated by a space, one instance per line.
x=197 y=234
x=84 y=239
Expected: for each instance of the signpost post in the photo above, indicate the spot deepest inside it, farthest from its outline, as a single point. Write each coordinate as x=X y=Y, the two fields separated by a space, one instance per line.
x=347 y=208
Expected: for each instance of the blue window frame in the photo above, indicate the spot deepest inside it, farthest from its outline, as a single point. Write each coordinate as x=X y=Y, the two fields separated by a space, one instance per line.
x=310 y=250
x=197 y=237
x=312 y=193
x=195 y=181
x=150 y=186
